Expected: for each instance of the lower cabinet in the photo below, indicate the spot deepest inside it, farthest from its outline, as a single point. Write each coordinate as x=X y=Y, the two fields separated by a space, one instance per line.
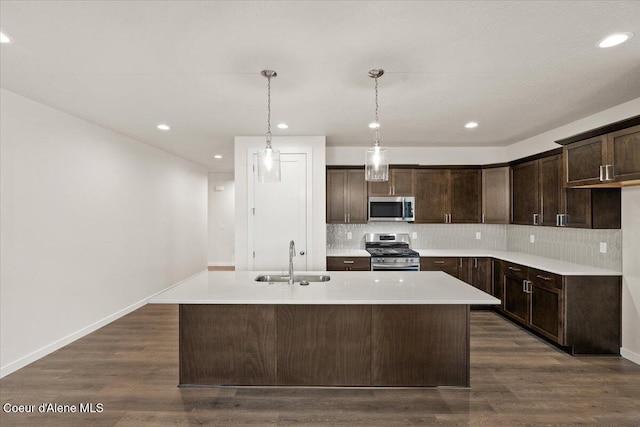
x=579 y=313
x=476 y=271
x=450 y=265
x=357 y=263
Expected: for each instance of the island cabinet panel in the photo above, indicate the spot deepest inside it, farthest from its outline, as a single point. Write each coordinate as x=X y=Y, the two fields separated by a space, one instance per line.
x=227 y=344
x=409 y=341
x=336 y=263
x=319 y=345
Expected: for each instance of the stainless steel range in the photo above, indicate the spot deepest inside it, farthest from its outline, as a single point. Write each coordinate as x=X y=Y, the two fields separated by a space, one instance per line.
x=391 y=252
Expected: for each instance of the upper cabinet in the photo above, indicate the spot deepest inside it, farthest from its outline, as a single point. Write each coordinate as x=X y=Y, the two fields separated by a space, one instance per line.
x=495 y=195
x=448 y=195
x=346 y=196
x=401 y=183
x=604 y=157
x=539 y=198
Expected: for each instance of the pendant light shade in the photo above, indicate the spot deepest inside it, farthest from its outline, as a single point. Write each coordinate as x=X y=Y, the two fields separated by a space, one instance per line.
x=268 y=158
x=376 y=161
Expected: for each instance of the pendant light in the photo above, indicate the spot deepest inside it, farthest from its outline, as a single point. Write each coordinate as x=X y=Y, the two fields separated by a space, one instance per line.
x=376 y=164
x=268 y=159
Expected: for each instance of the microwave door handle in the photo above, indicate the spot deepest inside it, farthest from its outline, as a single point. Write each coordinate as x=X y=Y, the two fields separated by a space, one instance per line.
x=404 y=210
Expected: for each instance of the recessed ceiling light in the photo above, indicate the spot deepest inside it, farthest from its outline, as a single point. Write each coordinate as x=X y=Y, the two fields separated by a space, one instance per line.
x=374 y=125
x=163 y=126
x=471 y=125
x=217 y=156
x=283 y=126
x=614 y=39
x=4 y=38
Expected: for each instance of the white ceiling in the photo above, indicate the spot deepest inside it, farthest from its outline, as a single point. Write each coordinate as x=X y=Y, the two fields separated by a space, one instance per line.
x=518 y=68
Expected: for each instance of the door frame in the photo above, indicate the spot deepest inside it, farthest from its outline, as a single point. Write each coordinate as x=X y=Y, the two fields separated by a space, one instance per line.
x=252 y=154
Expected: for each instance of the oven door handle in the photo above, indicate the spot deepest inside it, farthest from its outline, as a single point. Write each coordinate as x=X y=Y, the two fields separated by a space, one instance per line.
x=394 y=267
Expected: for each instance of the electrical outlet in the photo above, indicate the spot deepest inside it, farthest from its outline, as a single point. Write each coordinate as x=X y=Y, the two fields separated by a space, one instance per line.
x=532 y=238
x=414 y=235
x=349 y=235
x=603 y=247
x=478 y=235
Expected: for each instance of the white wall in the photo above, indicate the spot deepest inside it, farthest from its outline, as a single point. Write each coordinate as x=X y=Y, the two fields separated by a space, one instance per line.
x=221 y=219
x=243 y=144
x=631 y=273
x=92 y=224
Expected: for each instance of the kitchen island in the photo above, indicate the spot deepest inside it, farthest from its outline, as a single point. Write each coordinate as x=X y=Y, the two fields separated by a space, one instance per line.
x=395 y=329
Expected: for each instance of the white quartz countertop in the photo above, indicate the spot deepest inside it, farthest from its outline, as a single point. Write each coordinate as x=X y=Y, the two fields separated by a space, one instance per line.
x=363 y=287
x=551 y=265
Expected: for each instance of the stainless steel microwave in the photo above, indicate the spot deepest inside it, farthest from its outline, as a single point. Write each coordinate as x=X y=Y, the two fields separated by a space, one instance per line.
x=392 y=209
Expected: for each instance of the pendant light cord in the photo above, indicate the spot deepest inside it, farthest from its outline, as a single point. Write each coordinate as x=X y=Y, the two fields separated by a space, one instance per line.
x=269 y=111
x=377 y=137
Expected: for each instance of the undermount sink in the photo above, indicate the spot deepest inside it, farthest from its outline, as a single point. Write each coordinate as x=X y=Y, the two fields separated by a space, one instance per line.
x=296 y=278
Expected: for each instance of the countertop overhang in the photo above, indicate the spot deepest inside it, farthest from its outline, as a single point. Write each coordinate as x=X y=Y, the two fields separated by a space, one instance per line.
x=366 y=287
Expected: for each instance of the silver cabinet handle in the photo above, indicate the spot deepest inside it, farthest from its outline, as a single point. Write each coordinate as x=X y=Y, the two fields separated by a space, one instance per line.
x=393 y=190
x=557 y=220
x=460 y=262
x=345 y=218
x=483 y=218
x=349 y=217
x=513 y=268
x=302 y=252
x=607 y=177
x=524 y=286
x=535 y=219
x=543 y=277
x=348 y=262
x=529 y=287
x=475 y=263
x=438 y=262
x=601 y=173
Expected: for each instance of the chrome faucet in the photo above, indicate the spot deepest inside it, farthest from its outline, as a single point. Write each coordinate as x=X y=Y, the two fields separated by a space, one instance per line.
x=292 y=253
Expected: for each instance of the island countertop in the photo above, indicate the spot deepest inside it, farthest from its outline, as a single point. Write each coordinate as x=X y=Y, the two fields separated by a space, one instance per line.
x=366 y=287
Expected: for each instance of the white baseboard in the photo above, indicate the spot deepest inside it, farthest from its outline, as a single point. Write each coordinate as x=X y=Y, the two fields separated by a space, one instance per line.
x=630 y=355
x=56 y=345
x=221 y=264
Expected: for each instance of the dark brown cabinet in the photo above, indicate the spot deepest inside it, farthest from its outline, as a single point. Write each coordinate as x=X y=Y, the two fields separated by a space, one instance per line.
x=448 y=196
x=450 y=265
x=348 y=263
x=536 y=191
x=579 y=313
x=346 y=196
x=495 y=195
x=481 y=274
x=611 y=159
x=401 y=183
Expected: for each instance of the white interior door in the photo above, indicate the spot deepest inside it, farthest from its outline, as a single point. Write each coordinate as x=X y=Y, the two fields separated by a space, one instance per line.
x=280 y=216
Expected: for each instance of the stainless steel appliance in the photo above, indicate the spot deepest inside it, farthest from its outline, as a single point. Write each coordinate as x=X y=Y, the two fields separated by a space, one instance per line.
x=392 y=209
x=391 y=252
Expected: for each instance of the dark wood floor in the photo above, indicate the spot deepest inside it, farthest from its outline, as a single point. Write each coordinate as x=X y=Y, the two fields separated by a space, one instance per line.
x=131 y=367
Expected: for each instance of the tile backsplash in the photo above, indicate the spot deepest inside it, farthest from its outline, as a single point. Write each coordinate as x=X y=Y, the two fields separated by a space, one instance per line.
x=567 y=244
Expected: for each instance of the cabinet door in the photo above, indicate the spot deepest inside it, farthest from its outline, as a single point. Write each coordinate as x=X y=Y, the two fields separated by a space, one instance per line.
x=516 y=301
x=495 y=195
x=380 y=188
x=465 y=190
x=577 y=206
x=336 y=196
x=449 y=265
x=546 y=310
x=431 y=195
x=583 y=160
x=356 y=196
x=550 y=189
x=498 y=280
x=465 y=270
x=402 y=182
x=624 y=154
x=524 y=193
x=481 y=274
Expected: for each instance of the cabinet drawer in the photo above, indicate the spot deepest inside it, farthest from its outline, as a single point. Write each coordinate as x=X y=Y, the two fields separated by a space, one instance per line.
x=449 y=265
x=516 y=271
x=348 y=263
x=545 y=278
